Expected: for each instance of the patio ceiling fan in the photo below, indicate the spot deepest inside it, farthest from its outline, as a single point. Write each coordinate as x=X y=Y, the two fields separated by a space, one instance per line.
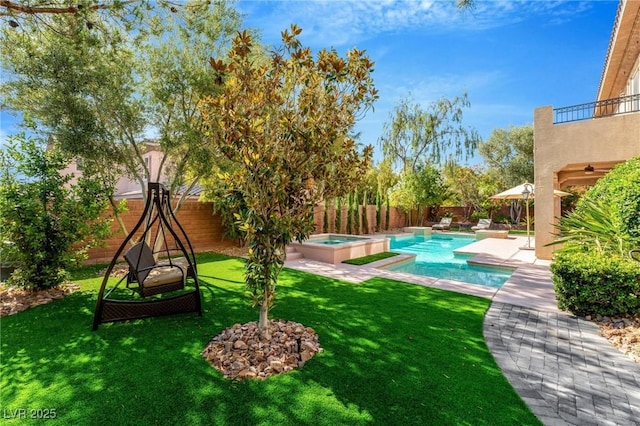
x=589 y=170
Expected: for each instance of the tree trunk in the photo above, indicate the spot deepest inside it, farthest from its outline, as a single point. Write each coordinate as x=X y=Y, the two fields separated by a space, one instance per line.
x=118 y=218
x=263 y=324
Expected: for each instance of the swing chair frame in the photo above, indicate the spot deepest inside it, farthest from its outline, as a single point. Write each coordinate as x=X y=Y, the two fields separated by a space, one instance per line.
x=172 y=275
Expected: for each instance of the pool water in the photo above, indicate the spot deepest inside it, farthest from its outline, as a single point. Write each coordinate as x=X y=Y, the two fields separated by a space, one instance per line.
x=435 y=258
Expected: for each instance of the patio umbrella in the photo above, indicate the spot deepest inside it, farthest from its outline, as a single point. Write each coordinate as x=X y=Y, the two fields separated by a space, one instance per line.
x=515 y=193
x=519 y=193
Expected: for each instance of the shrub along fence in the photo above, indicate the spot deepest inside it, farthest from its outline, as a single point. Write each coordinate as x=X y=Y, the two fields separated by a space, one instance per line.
x=206 y=232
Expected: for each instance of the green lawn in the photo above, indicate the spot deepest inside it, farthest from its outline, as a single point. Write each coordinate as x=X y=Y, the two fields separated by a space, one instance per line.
x=394 y=354
x=371 y=258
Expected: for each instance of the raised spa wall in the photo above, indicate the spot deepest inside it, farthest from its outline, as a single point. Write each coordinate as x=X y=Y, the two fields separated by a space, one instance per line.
x=337 y=253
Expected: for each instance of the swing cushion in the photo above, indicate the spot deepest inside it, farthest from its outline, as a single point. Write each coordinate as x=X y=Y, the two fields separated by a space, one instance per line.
x=148 y=273
x=163 y=273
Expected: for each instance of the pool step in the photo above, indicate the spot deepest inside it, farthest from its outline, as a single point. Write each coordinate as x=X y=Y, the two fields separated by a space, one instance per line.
x=292 y=254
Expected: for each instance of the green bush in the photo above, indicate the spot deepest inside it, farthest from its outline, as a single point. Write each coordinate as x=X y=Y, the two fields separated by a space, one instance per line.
x=591 y=283
x=43 y=215
x=620 y=188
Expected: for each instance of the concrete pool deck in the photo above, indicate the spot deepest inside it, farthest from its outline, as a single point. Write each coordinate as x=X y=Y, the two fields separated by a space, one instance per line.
x=558 y=363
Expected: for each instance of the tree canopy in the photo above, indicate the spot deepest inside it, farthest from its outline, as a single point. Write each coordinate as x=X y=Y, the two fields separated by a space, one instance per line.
x=138 y=70
x=415 y=135
x=284 y=121
x=508 y=154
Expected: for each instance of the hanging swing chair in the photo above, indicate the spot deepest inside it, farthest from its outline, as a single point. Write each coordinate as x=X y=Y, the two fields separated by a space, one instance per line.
x=154 y=280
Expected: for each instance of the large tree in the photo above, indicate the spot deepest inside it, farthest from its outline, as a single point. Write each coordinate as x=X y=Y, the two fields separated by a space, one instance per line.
x=470 y=187
x=423 y=187
x=415 y=135
x=101 y=79
x=508 y=154
x=285 y=121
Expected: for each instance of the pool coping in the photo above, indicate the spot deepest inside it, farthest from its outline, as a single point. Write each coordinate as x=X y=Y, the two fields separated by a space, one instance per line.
x=530 y=284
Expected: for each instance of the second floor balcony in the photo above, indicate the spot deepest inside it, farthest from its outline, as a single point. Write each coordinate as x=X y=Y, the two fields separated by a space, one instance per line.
x=597 y=109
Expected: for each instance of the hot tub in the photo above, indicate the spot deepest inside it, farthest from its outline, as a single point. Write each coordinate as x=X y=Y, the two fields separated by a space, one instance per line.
x=336 y=248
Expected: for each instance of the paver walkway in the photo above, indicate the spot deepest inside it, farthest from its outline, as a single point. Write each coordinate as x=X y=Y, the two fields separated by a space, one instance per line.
x=560 y=365
x=562 y=368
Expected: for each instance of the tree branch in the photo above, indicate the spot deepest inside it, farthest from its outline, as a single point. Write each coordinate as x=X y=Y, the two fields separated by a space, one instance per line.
x=12 y=6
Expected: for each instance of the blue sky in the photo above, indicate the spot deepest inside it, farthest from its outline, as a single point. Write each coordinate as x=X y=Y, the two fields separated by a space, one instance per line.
x=509 y=56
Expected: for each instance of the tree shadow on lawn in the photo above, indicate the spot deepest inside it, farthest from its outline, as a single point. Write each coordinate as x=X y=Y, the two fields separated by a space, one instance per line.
x=418 y=350
x=378 y=367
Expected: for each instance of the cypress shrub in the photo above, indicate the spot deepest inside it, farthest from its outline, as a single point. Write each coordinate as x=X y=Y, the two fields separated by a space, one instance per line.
x=338 y=205
x=365 y=219
x=325 y=219
x=356 y=215
x=387 y=214
x=378 y=211
x=349 y=215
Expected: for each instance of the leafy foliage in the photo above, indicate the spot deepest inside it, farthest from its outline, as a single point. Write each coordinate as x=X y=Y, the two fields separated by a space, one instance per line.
x=284 y=122
x=509 y=155
x=596 y=283
x=45 y=215
x=338 y=205
x=593 y=228
x=425 y=187
x=414 y=135
x=469 y=187
x=591 y=272
x=228 y=203
x=620 y=188
x=607 y=217
x=378 y=211
x=365 y=218
x=98 y=89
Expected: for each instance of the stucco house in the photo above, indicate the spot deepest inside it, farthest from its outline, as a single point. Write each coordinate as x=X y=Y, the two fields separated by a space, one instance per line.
x=577 y=145
x=126 y=187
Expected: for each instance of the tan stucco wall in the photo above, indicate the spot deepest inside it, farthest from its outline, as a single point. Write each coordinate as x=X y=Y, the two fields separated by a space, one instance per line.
x=615 y=138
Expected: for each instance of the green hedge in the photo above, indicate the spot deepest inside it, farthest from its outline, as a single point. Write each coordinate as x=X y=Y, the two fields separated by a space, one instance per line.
x=588 y=283
x=620 y=188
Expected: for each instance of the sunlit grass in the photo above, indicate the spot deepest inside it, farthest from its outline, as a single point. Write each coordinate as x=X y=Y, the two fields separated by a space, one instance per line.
x=394 y=353
x=370 y=258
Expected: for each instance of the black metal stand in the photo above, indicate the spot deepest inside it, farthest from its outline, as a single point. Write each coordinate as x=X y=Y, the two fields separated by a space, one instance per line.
x=158 y=212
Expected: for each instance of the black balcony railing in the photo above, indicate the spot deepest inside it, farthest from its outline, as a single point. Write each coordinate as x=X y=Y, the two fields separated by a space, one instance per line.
x=604 y=108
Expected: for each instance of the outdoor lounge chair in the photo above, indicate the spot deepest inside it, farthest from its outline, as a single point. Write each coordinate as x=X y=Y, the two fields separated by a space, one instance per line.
x=445 y=223
x=482 y=224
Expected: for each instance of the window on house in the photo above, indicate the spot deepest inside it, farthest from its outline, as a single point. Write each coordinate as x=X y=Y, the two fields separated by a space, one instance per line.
x=635 y=90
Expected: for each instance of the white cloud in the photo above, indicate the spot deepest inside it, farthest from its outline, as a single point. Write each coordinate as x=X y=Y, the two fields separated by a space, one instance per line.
x=431 y=87
x=348 y=22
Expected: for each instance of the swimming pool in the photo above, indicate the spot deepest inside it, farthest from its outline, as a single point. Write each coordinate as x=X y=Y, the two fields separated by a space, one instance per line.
x=435 y=258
